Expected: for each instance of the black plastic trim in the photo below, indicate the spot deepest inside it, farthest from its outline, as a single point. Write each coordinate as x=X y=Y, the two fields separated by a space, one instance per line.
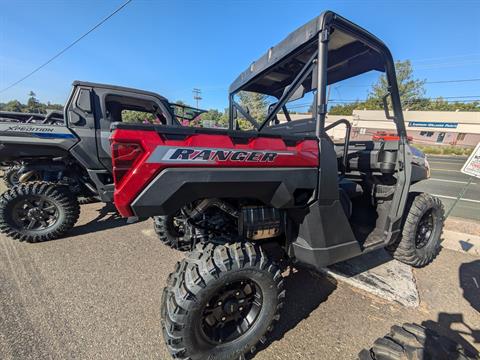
x=173 y=188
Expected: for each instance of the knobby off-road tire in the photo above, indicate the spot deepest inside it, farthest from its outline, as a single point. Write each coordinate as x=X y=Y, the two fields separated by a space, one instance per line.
x=412 y=341
x=211 y=279
x=168 y=233
x=82 y=200
x=10 y=176
x=420 y=240
x=37 y=211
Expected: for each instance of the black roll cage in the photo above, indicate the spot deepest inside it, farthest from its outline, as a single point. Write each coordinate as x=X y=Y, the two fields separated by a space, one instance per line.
x=327 y=21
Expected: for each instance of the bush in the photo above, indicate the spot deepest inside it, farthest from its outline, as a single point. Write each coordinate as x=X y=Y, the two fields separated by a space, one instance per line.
x=444 y=150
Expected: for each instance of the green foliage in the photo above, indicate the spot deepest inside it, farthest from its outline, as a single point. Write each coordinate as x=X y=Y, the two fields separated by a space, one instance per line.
x=444 y=150
x=409 y=88
x=221 y=119
x=255 y=103
x=411 y=91
x=131 y=116
x=32 y=105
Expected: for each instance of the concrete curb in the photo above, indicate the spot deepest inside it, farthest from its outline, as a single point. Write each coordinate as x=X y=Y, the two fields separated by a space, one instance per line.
x=378 y=274
x=458 y=241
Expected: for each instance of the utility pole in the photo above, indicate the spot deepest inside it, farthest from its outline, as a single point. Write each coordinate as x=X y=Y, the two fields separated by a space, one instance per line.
x=197 y=95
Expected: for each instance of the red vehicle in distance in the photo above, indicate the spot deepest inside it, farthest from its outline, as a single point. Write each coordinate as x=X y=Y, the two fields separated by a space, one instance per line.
x=387 y=136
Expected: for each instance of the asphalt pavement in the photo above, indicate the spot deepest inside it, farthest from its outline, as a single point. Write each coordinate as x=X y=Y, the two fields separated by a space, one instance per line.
x=447 y=182
x=95 y=294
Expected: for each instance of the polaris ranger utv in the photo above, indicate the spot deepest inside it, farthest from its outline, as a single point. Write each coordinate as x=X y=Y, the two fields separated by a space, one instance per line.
x=56 y=160
x=272 y=184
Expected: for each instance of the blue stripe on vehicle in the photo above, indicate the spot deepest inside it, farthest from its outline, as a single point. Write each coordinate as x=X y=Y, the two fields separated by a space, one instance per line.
x=54 y=136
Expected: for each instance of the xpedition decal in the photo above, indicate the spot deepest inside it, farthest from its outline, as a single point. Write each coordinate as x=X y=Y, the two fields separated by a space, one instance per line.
x=38 y=131
x=29 y=128
x=209 y=155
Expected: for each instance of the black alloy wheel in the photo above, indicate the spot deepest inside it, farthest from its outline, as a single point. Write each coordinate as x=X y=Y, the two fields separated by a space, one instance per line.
x=232 y=311
x=420 y=240
x=35 y=213
x=221 y=301
x=424 y=229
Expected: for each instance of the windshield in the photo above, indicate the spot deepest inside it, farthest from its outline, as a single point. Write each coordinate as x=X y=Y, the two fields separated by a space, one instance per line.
x=185 y=114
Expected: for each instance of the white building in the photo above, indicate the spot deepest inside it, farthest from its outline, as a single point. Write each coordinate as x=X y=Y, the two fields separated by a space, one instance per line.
x=423 y=127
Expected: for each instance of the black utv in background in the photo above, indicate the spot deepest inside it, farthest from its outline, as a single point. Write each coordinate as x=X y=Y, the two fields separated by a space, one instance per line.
x=54 y=161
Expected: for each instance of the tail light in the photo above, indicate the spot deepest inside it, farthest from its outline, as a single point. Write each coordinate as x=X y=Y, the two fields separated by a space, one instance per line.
x=124 y=156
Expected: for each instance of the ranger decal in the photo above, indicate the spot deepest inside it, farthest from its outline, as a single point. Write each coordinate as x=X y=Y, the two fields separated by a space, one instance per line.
x=210 y=155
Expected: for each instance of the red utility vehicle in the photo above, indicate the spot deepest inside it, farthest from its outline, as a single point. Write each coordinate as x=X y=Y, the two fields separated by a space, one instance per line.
x=248 y=201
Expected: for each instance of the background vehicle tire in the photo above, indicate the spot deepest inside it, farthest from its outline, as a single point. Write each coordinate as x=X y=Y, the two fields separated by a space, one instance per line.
x=37 y=211
x=171 y=232
x=209 y=296
x=82 y=200
x=412 y=341
x=10 y=176
x=420 y=240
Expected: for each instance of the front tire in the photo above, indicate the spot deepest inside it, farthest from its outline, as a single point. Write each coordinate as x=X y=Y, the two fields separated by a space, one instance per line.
x=172 y=231
x=37 y=211
x=220 y=302
x=420 y=240
x=412 y=341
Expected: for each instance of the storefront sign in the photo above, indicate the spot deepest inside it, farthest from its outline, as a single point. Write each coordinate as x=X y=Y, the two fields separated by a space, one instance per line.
x=472 y=165
x=428 y=124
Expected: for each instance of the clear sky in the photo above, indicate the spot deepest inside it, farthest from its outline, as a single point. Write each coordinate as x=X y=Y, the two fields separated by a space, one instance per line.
x=172 y=46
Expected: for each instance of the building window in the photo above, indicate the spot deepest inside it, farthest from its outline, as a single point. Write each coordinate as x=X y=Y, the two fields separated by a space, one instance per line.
x=440 y=137
x=461 y=136
x=426 y=133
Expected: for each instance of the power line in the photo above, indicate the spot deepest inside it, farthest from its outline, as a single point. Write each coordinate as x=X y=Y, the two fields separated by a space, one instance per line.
x=450 y=81
x=67 y=48
x=426 y=82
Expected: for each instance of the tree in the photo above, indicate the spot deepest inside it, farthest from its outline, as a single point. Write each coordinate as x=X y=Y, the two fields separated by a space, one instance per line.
x=409 y=88
x=13 y=105
x=33 y=105
x=132 y=116
x=255 y=103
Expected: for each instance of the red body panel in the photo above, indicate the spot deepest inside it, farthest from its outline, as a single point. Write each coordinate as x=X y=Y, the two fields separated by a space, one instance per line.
x=204 y=150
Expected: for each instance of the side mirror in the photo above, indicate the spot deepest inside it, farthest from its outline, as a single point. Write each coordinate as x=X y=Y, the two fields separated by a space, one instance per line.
x=271 y=107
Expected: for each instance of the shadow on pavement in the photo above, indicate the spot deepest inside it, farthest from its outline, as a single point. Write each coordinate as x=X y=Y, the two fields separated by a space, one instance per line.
x=453 y=326
x=107 y=218
x=448 y=325
x=362 y=263
x=469 y=275
x=305 y=291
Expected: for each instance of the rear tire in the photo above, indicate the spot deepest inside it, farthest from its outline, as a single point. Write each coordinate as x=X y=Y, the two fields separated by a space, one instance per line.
x=10 y=176
x=210 y=296
x=37 y=211
x=420 y=240
x=412 y=341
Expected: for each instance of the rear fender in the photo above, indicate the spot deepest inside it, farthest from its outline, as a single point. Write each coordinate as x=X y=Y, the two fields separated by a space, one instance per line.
x=174 y=169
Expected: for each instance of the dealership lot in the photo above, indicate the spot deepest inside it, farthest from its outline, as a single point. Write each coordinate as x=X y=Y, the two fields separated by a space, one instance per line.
x=96 y=294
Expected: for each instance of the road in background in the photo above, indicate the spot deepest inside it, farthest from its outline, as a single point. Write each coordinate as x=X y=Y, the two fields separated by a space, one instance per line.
x=447 y=182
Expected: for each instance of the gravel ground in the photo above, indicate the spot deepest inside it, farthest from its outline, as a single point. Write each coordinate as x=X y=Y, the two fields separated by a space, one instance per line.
x=96 y=295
